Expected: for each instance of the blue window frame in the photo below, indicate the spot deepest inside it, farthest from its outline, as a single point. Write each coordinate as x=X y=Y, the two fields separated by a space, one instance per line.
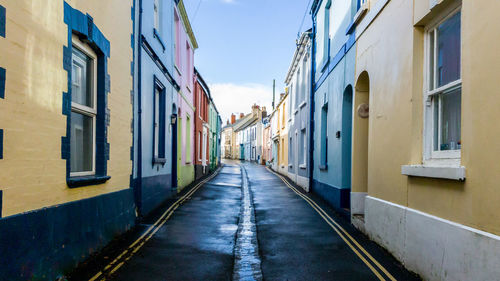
x=2 y=21
x=159 y=126
x=82 y=25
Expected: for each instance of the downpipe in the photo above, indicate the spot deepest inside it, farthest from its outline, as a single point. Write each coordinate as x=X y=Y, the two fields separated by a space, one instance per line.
x=311 y=103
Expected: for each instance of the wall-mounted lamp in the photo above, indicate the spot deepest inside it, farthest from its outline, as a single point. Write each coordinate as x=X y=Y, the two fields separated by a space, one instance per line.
x=173 y=119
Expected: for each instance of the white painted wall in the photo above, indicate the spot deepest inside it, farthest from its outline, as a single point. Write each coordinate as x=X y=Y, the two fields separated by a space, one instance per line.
x=435 y=248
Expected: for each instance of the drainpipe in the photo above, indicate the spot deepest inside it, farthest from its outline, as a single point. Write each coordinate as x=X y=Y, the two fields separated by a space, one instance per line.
x=311 y=102
x=139 y=117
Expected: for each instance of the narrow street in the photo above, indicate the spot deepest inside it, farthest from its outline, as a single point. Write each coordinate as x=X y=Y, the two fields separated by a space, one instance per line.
x=245 y=223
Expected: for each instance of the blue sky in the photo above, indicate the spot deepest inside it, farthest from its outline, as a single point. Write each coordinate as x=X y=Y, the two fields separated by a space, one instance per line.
x=243 y=46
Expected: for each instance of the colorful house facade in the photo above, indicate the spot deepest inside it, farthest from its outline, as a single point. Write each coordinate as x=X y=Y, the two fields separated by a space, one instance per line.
x=279 y=135
x=155 y=106
x=66 y=78
x=185 y=45
x=334 y=65
x=227 y=141
x=201 y=127
x=214 y=132
x=266 y=142
x=427 y=70
x=298 y=82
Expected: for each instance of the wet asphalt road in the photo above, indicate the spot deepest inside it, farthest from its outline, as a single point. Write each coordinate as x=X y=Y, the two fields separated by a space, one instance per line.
x=256 y=228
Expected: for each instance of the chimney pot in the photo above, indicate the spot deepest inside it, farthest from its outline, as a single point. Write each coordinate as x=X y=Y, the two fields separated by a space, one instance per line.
x=233 y=118
x=242 y=115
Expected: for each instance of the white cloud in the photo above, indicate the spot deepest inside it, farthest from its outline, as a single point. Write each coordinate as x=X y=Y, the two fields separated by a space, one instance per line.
x=234 y=98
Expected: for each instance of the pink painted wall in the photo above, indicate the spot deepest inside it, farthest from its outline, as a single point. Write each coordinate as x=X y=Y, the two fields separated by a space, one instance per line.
x=184 y=61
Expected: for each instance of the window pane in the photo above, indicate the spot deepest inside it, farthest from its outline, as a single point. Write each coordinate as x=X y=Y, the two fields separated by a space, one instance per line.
x=81 y=78
x=450 y=120
x=436 y=122
x=157 y=122
x=448 y=40
x=82 y=143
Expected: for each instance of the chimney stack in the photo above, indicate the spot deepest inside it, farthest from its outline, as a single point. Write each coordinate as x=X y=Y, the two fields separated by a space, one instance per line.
x=242 y=115
x=227 y=122
x=255 y=109
x=233 y=118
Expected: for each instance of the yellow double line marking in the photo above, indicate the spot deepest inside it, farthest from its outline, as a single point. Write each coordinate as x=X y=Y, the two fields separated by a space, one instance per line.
x=113 y=266
x=348 y=239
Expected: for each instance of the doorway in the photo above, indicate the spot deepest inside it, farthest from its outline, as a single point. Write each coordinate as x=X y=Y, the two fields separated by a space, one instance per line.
x=359 y=180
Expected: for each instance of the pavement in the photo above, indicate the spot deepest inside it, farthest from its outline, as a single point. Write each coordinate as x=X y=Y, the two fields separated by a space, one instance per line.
x=245 y=223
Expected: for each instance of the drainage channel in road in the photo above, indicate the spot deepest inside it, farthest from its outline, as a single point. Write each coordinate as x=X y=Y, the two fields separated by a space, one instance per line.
x=246 y=253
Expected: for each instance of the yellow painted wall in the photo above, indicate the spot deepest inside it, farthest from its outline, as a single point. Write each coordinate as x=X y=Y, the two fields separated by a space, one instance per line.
x=32 y=173
x=391 y=51
x=282 y=116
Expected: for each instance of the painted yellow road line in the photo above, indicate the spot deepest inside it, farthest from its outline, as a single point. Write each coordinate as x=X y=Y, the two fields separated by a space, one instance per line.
x=337 y=228
x=141 y=241
x=354 y=241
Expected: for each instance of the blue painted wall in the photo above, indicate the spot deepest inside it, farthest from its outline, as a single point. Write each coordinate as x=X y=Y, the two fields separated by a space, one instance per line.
x=52 y=246
x=156 y=49
x=332 y=79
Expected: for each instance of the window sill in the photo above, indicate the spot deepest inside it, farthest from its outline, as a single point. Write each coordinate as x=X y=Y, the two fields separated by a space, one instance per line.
x=324 y=66
x=177 y=70
x=86 y=181
x=360 y=13
x=323 y=167
x=157 y=36
x=303 y=166
x=159 y=161
x=440 y=172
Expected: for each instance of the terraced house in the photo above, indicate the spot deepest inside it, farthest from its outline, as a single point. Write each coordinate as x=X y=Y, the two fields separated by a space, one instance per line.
x=155 y=105
x=66 y=79
x=279 y=134
x=427 y=71
x=201 y=126
x=185 y=45
x=333 y=76
x=298 y=81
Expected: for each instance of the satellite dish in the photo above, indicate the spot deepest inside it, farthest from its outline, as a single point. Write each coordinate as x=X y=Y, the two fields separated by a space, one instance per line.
x=363 y=110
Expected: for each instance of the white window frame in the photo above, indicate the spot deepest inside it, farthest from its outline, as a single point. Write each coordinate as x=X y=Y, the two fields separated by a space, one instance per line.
x=85 y=110
x=431 y=157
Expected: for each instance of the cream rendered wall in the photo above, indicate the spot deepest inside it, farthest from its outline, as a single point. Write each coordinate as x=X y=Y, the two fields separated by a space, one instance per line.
x=33 y=173
x=391 y=51
x=384 y=51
